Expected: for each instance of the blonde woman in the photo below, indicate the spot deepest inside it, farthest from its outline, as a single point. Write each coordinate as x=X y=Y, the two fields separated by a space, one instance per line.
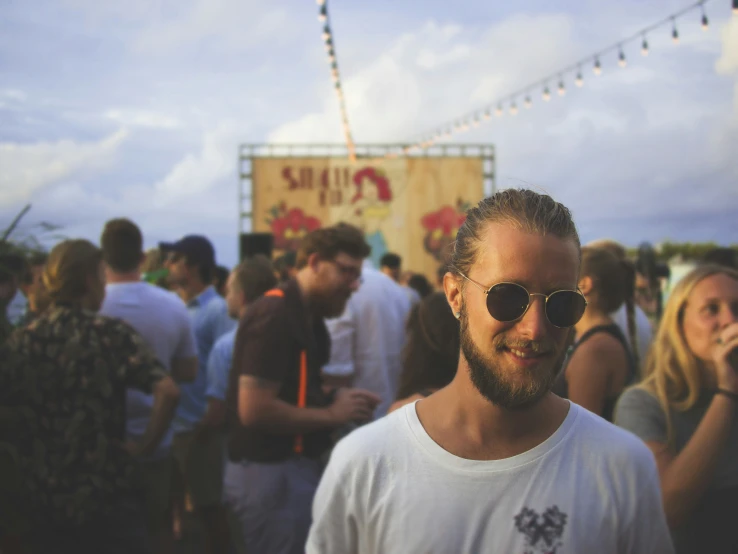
x=686 y=410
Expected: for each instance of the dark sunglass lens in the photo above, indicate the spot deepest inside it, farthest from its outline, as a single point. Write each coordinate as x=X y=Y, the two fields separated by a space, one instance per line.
x=507 y=301
x=565 y=308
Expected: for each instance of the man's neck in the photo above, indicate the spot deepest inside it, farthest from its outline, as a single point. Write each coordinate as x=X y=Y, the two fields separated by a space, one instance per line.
x=465 y=423
x=190 y=291
x=304 y=283
x=129 y=277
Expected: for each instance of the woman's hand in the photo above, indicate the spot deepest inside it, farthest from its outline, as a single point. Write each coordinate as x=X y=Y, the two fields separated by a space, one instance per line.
x=727 y=375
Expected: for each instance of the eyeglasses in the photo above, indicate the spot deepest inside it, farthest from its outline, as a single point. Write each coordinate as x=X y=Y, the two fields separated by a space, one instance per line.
x=349 y=272
x=508 y=302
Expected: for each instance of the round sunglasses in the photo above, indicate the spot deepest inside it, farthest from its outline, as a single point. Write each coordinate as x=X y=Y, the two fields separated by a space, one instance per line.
x=508 y=302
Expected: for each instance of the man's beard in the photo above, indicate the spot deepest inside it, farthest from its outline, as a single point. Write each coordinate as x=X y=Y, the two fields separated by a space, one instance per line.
x=330 y=303
x=490 y=379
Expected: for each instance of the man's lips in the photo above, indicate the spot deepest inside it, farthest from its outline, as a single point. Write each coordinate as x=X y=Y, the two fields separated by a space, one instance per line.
x=526 y=356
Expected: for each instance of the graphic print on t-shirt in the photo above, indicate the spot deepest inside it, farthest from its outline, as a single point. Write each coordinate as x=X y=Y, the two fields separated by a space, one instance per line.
x=542 y=532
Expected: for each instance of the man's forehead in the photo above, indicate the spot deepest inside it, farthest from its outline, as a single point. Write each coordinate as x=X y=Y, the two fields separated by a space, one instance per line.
x=346 y=259
x=509 y=254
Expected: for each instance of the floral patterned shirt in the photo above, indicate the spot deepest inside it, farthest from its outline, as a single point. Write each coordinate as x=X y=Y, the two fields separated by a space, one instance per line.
x=65 y=376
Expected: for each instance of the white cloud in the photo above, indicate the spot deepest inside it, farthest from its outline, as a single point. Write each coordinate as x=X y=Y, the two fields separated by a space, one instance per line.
x=142 y=118
x=436 y=71
x=14 y=95
x=196 y=173
x=228 y=24
x=27 y=168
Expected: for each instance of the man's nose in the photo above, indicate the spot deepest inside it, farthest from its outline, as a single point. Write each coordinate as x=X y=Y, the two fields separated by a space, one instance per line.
x=534 y=324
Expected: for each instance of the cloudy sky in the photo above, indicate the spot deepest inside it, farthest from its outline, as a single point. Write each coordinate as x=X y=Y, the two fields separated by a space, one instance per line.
x=136 y=108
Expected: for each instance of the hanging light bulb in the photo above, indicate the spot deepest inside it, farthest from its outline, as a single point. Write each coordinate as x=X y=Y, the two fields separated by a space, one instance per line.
x=475 y=121
x=705 y=21
x=323 y=15
x=546 y=94
x=579 y=81
x=332 y=56
x=735 y=7
x=513 y=108
x=562 y=88
x=644 y=47
x=597 y=69
x=326 y=33
x=321 y=2
x=528 y=102
x=329 y=45
x=498 y=111
x=487 y=115
x=622 y=62
x=674 y=33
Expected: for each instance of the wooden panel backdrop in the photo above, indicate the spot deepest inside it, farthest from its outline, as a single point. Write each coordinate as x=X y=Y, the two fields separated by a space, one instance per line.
x=411 y=206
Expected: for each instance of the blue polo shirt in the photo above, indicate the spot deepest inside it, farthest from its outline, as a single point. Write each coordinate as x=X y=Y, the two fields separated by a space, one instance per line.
x=210 y=321
x=219 y=366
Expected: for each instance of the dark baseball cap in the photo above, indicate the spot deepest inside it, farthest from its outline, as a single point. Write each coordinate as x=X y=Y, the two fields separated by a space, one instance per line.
x=198 y=249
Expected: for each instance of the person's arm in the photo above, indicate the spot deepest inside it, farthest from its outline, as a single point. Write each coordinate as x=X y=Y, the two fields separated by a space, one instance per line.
x=686 y=476
x=259 y=407
x=184 y=364
x=590 y=371
x=262 y=359
x=143 y=371
x=166 y=398
x=339 y=372
x=219 y=368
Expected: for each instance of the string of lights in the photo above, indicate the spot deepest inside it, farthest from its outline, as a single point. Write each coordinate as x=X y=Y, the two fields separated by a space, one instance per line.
x=510 y=101
x=330 y=48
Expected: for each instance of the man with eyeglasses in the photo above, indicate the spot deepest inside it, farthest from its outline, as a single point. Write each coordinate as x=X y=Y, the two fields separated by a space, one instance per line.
x=495 y=462
x=280 y=416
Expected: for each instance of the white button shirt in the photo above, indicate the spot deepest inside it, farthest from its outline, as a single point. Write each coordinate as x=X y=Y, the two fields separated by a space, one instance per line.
x=368 y=338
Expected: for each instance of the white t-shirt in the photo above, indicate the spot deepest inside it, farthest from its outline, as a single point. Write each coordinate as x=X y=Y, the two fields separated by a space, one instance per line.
x=390 y=489
x=644 y=332
x=163 y=321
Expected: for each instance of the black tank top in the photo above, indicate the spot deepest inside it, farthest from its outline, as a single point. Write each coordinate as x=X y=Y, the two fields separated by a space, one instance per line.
x=562 y=388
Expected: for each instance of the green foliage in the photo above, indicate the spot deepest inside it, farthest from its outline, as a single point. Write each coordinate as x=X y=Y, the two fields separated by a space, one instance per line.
x=668 y=250
x=22 y=243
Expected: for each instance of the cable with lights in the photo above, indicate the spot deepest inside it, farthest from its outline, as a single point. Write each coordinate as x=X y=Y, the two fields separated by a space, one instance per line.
x=462 y=124
x=330 y=48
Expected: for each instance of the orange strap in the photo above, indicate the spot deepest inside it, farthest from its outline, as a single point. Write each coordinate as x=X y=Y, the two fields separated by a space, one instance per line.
x=302 y=395
x=302 y=390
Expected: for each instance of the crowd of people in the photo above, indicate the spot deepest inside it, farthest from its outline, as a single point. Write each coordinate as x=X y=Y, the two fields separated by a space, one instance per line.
x=524 y=402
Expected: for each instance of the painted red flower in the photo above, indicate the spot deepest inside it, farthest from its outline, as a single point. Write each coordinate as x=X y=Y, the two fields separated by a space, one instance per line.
x=441 y=227
x=291 y=226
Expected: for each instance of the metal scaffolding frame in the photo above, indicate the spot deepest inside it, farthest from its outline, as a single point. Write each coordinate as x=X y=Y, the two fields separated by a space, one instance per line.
x=248 y=152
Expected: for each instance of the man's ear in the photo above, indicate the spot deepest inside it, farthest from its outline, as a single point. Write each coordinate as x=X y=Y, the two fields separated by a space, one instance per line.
x=452 y=287
x=313 y=261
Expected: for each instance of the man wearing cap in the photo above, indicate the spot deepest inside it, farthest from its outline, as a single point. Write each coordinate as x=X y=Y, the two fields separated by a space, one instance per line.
x=191 y=265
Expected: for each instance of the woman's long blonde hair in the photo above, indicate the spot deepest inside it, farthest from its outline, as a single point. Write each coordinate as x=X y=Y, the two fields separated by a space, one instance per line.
x=672 y=372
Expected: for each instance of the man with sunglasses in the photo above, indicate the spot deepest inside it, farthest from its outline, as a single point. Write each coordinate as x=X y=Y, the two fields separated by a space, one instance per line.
x=495 y=462
x=279 y=414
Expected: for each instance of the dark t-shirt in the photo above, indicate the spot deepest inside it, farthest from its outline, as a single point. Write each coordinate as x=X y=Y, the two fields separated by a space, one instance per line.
x=711 y=527
x=269 y=342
